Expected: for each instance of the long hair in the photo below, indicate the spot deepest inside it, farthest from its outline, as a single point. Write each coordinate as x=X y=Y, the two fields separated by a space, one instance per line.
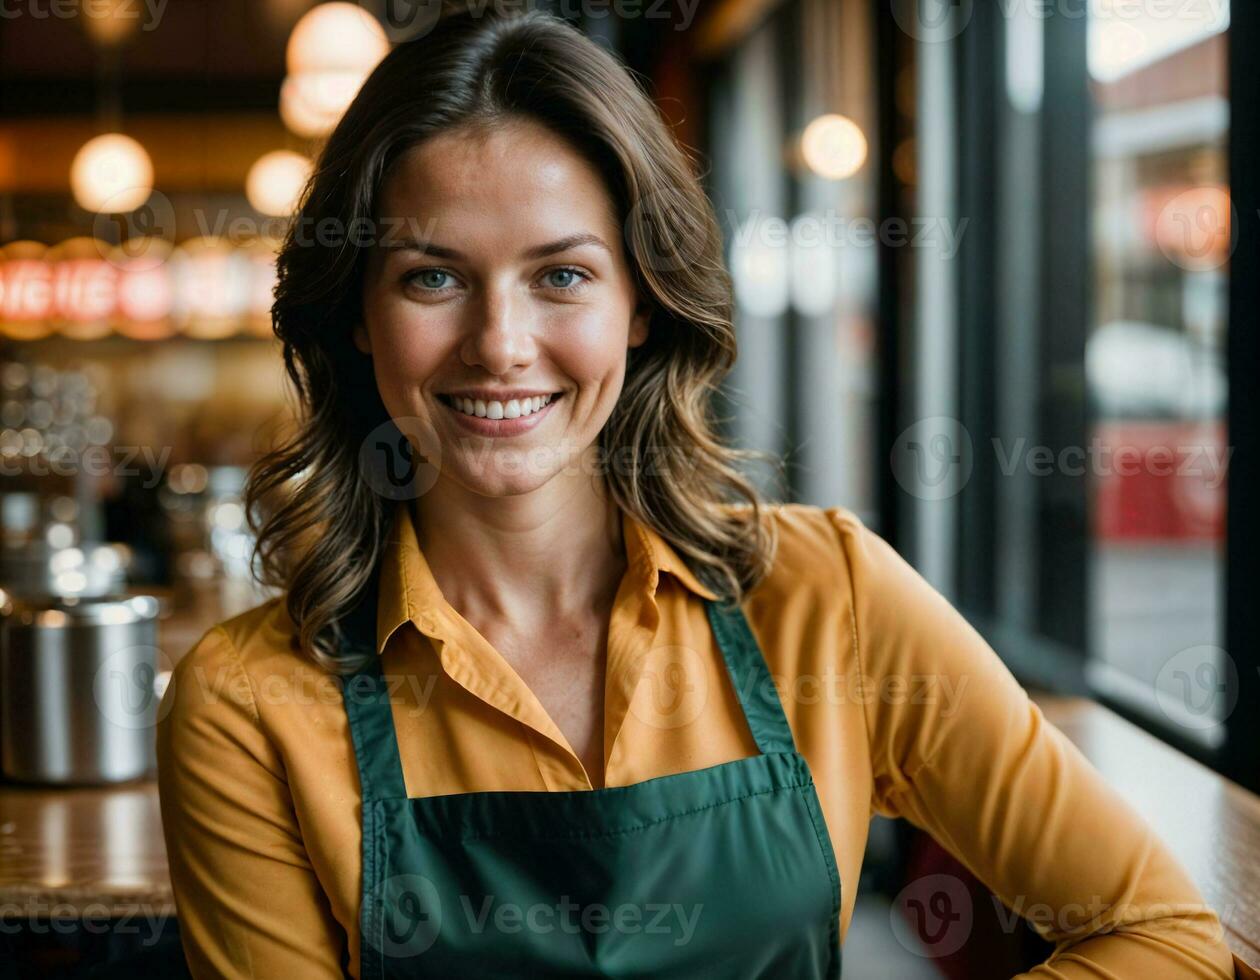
x=319 y=525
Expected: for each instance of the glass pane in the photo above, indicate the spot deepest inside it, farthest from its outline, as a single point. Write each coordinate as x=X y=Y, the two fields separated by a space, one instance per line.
x=1155 y=358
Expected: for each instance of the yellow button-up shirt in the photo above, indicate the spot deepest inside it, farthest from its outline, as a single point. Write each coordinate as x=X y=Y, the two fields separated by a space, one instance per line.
x=898 y=705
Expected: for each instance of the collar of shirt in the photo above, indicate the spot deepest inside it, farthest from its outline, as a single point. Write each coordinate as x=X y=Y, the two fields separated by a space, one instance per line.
x=409 y=593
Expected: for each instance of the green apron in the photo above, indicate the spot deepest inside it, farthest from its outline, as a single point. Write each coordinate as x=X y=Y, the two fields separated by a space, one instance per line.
x=722 y=872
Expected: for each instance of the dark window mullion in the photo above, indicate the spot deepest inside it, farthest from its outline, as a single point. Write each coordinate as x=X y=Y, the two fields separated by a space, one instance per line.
x=1241 y=760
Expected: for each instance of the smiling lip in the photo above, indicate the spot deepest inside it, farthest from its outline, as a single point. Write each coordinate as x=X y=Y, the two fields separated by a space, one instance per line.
x=500 y=427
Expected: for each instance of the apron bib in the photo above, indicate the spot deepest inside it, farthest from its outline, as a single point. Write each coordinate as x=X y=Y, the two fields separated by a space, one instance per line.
x=721 y=872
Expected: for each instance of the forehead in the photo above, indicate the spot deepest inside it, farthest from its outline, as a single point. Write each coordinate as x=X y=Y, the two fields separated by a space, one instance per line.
x=511 y=175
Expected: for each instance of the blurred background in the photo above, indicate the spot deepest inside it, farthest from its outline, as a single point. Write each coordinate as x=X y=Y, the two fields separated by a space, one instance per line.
x=982 y=258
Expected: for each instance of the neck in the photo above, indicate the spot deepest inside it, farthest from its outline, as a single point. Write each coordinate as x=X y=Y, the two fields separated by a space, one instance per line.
x=523 y=559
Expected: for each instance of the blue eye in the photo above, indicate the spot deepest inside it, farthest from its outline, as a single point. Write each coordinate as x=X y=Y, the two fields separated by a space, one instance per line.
x=417 y=276
x=579 y=278
x=431 y=279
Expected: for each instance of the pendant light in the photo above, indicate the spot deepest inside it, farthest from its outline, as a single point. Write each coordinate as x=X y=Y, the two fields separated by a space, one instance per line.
x=112 y=172
x=832 y=145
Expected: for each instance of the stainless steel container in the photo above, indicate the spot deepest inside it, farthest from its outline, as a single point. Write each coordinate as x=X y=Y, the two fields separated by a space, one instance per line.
x=38 y=569
x=78 y=700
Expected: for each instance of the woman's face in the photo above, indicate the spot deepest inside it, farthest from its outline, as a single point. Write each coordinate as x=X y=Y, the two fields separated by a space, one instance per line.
x=500 y=273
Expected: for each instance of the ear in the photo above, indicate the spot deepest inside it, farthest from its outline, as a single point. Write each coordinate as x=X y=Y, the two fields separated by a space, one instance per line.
x=361 y=339
x=639 y=324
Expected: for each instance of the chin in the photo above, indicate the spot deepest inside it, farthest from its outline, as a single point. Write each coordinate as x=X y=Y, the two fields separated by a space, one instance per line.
x=503 y=483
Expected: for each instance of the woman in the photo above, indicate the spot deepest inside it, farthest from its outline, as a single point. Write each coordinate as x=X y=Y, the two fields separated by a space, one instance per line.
x=550 y=691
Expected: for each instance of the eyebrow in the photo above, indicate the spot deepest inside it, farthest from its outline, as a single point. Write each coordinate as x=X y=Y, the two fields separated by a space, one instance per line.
x=410 y=244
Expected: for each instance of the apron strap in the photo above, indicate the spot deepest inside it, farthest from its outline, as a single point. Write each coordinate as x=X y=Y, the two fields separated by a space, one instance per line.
x=367 y=698
x=753 y=684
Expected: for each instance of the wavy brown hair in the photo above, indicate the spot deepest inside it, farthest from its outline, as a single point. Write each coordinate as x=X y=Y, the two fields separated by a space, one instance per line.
x=320 y=527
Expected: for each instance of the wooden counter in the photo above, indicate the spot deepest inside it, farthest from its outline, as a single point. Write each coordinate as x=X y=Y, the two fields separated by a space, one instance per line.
x=83 y=853
x=1210 y=823
x=92 y=850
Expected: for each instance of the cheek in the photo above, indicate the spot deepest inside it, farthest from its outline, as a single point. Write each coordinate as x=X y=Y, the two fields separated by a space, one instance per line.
x=407 y=344
x=590 y=348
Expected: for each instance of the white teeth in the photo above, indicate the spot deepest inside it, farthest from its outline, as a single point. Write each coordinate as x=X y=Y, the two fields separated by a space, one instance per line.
x=516 y=408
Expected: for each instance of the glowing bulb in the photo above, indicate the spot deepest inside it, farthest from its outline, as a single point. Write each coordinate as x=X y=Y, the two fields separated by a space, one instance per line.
x=330 y=52
x=833 y=146
x=275 y=182
x=337 y=37
x=111 y=174
x=110 y=22
x=312 y=103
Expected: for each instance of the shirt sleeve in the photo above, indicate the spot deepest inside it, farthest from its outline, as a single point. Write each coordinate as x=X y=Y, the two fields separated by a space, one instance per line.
x=959 y=749
x=248 y=902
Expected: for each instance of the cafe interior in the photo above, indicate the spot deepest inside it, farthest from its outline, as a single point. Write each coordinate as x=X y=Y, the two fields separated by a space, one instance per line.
x=1004 y=330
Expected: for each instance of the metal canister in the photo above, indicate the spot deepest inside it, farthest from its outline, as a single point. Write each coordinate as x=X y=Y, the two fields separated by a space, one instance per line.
x=78 y=699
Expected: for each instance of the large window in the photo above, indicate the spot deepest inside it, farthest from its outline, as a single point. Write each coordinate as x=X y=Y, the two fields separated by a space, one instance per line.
x=1155 y=360
x=1007 y=334
x=1095 y=322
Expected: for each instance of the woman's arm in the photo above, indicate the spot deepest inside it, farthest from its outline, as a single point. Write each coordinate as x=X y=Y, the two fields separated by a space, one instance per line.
x=248 y=903
x=978 y=767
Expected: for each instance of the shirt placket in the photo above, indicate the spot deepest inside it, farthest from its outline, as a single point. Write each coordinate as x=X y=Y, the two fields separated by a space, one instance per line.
x=470 y=661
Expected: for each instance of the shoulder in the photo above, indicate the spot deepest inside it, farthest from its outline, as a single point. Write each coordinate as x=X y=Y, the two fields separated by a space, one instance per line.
x=830 y=548
x=830 y=557
x=220 y=688
x=257 y=643
x=922 y=667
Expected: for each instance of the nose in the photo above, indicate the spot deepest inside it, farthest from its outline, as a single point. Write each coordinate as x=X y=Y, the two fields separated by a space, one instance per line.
x=500 y=334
